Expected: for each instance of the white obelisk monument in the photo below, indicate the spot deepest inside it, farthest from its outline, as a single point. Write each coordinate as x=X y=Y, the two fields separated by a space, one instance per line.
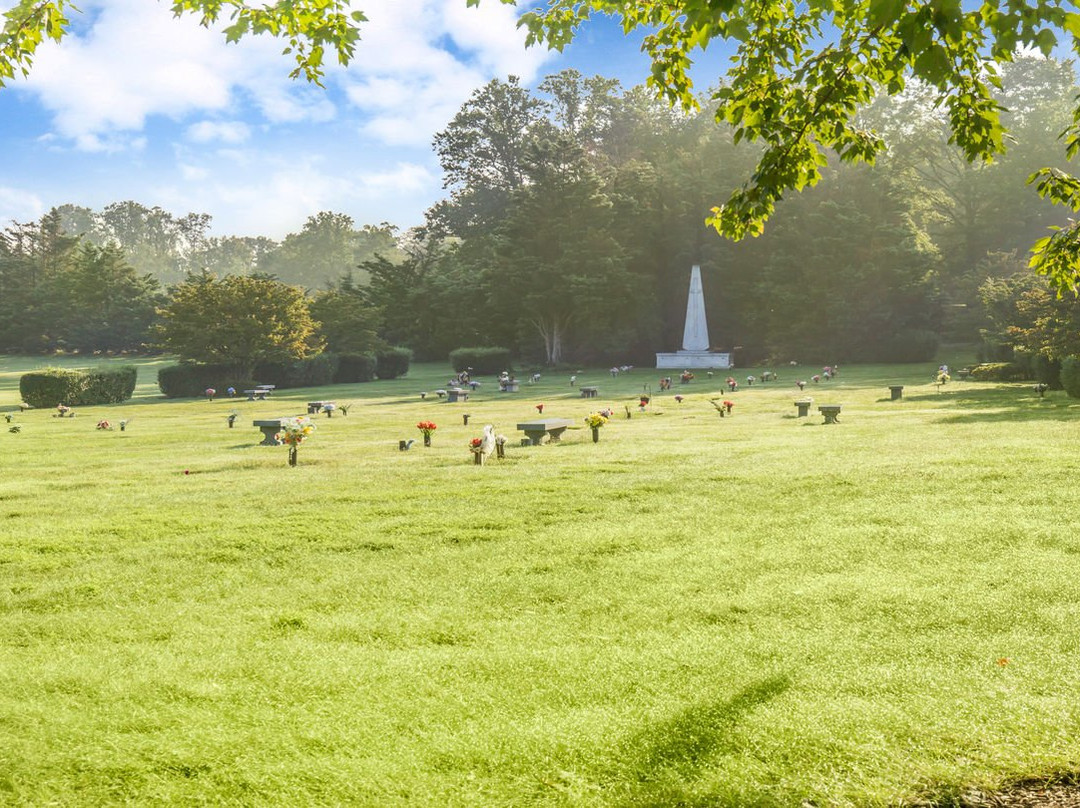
x=695 y=344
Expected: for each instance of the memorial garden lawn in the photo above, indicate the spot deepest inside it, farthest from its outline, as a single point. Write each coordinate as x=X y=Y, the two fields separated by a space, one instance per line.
x=750 y=610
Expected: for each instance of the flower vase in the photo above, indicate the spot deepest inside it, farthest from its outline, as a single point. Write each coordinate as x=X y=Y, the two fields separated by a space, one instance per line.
x=478 y=458
x=292 y=455
x=427 y=440
x=596 y=434
x=500 y=451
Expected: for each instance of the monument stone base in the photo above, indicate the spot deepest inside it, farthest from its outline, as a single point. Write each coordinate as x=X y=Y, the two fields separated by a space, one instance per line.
x=693 y=359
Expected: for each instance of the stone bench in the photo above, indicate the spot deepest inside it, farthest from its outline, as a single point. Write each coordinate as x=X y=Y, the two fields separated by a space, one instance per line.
x=270 y=428
x=589 y=392
x=536 y=430
x=259 y=393
x=804 y=406
x=896 y=391
x=317 y=406
x=456 y=395
x=831 y=413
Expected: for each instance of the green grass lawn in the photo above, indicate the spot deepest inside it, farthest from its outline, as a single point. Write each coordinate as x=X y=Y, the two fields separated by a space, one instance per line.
x=751 y=610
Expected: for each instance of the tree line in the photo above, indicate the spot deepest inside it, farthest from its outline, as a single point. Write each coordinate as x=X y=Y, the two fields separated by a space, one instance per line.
x=572 y=215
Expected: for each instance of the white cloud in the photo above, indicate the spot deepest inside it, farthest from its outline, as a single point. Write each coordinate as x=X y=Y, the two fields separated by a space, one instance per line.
x=136 y=60
x=422 y=59
x=219 y=131
x=19 y=205
x=133 y=59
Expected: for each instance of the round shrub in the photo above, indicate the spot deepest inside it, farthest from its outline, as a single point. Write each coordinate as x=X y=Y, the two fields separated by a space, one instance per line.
x=391 y=363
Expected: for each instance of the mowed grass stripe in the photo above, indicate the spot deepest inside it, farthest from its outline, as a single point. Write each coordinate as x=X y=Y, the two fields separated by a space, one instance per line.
x=756 y=609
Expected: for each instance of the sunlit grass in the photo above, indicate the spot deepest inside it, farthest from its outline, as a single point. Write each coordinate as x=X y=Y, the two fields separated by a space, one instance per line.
x=750 y=610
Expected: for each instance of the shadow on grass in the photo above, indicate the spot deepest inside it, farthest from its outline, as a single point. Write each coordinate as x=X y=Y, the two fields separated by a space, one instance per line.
x=666 y=759
x=1012 y=403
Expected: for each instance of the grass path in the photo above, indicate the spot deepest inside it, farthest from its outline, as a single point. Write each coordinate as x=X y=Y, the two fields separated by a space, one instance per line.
x=753 y=610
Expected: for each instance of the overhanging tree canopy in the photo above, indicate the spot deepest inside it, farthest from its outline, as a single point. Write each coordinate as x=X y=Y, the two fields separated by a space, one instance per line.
x=801 y=72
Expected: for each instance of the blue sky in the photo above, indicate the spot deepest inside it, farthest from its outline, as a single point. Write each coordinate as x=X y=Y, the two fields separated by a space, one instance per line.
x=138 y=105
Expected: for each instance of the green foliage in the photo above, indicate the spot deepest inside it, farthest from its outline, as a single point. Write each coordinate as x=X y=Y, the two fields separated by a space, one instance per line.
x=1070 y=375
x=329 y=247
x=309 y=27
x=1001 y=372
x=237 y=319
x=355 y=368
x=1046 y=370
x=107 y=385
x=347 y=323
x=392 y=363
x=53 y=386
x=483 y=361
x=310 y=372
x=798 y=93
x=909 y=346
x=191 y=379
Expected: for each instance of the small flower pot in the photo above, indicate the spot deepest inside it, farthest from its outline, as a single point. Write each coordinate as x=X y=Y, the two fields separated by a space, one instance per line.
x=595 y=434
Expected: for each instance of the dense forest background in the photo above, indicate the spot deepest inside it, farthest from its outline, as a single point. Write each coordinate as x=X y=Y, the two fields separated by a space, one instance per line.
x=572 y=216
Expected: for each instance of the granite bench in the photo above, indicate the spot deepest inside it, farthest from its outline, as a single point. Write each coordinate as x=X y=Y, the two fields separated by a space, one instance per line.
x=831 y=413
x=536 y=430
x=270 y=428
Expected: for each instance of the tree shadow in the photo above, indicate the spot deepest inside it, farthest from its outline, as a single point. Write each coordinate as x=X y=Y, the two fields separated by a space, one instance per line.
x=1015 y=403
x=666 y=758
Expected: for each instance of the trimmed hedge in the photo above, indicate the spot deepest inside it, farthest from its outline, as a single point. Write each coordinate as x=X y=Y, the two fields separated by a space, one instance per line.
x=52 y=386
x=355 y=368
x=108 y=385
x=1000 y=372
x=483 y=361
x=190 y=380
x=391 y=363
x=315 y=371
x=1070 y=375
